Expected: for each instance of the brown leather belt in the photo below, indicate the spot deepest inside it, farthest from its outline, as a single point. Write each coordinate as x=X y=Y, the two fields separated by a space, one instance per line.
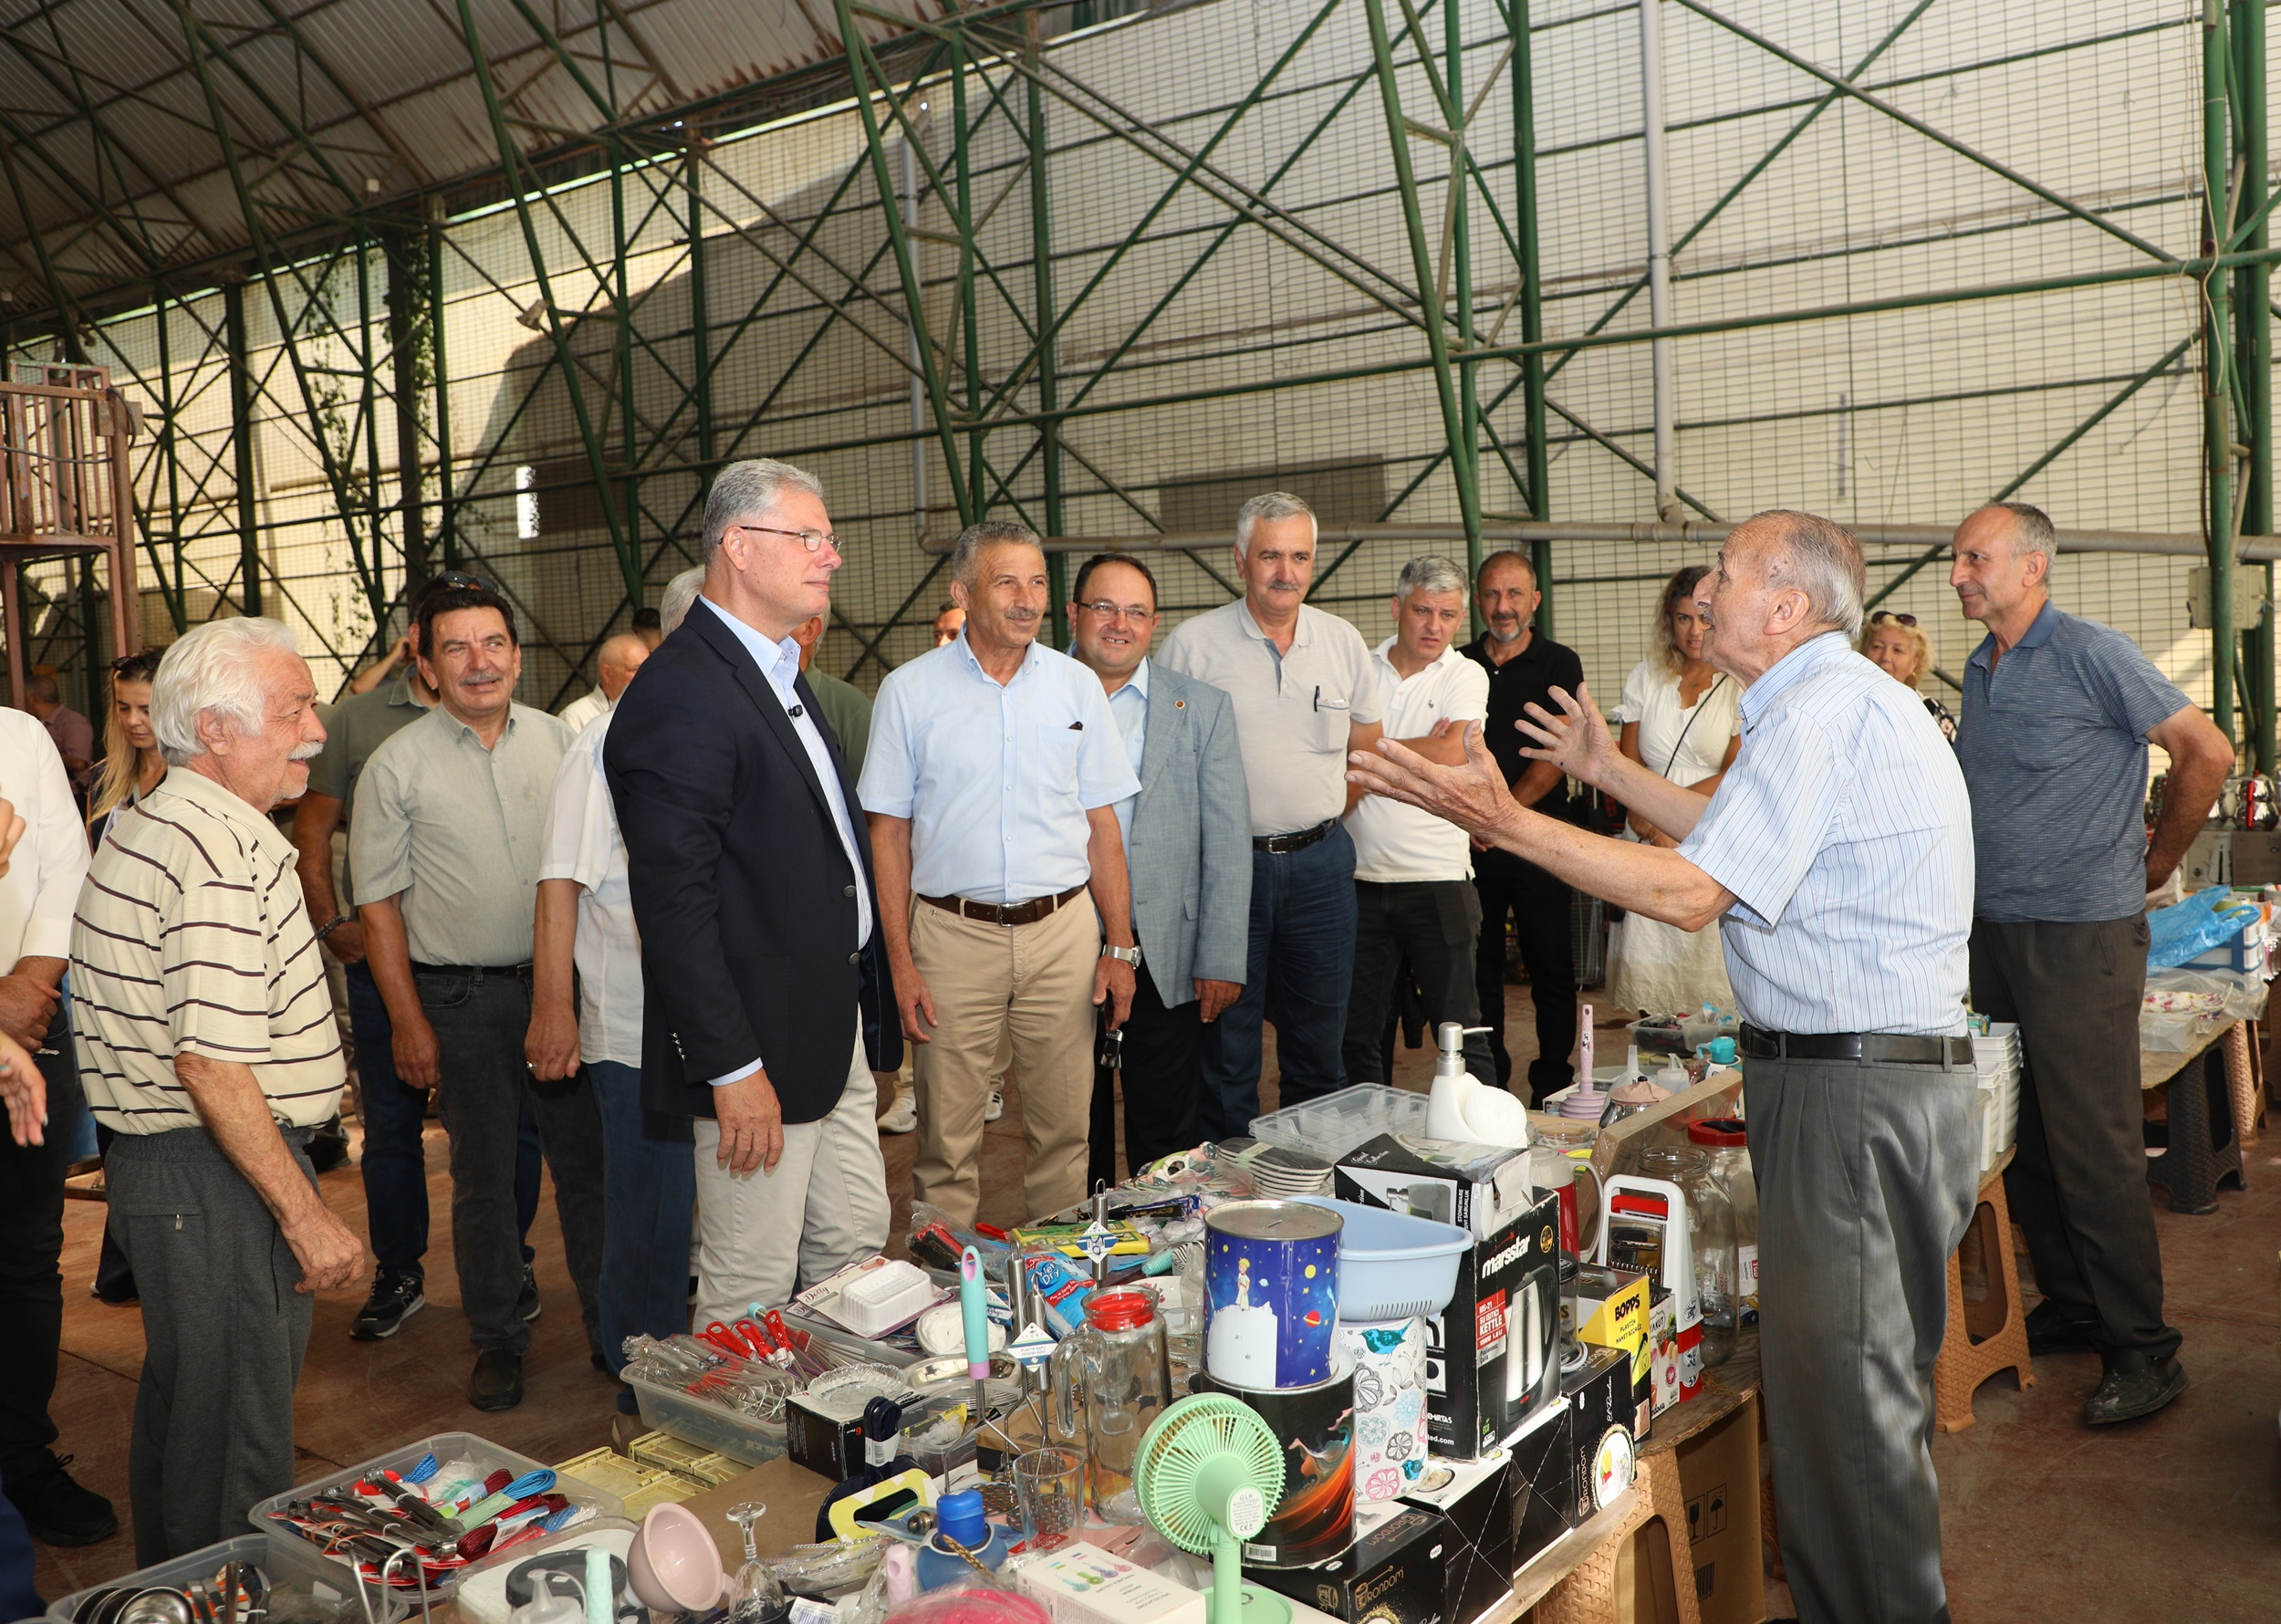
x=1004 y=914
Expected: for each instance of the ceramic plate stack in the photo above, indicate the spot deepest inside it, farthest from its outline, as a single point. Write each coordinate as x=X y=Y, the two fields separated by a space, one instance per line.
x=1279 y=1173
x=1996 y=1058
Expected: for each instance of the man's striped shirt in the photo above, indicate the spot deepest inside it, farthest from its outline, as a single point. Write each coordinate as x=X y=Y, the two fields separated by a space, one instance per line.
x=191 y=937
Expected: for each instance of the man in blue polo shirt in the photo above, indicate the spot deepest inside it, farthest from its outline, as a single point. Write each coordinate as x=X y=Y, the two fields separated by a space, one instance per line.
x=2059 y=713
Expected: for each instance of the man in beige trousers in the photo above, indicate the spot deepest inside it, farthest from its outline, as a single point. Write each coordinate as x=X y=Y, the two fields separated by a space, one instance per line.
x=993 y=770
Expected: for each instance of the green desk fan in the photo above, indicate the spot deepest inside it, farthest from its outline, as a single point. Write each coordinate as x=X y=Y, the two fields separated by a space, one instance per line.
x=1209 y=1475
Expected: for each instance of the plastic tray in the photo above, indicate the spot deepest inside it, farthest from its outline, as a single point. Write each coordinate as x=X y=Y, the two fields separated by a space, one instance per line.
x=706 y=1424
x=1391 y=1264
x=482 y=1597
x=250 y=1548
x=1337 y=1123
x=330 y=1577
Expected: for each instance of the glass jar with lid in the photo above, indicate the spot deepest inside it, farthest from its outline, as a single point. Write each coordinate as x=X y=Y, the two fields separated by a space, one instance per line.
x=1710 y=1240
x=1729 y=1146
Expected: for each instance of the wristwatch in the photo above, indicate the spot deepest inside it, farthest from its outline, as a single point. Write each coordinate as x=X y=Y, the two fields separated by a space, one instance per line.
x=1128 y=955
x=334 y=923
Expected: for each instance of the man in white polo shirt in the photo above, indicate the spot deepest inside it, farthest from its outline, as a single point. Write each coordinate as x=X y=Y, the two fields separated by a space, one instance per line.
x=1305 y=695
x=1413 y=891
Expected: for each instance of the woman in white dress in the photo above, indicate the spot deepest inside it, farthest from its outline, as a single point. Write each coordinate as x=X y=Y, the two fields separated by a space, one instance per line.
x=1682 y=720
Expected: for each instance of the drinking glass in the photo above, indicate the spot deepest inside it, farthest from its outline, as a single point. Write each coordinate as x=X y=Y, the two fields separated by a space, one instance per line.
x=757 y=1598
x=1049 y=1484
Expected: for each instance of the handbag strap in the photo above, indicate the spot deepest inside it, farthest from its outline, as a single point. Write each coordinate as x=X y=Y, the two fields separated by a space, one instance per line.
x=1681 y=742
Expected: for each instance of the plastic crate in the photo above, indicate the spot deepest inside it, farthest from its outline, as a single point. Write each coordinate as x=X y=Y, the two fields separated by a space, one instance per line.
x=334 y=1578
x=706 y=1424
x=637 y=1484
x=1337 y=1123
x=252 y=1549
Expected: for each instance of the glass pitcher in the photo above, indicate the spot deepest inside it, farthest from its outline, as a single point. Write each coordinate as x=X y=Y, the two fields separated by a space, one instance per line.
x=1108 y=1380
x=1710 y=1239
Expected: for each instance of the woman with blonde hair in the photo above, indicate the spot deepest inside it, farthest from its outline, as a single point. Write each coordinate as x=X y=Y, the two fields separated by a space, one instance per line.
x=133 y=764
x=1682 y=720
x=1898 y=646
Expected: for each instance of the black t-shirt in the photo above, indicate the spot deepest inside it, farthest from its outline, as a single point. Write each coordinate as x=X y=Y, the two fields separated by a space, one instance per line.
x=1528 y=678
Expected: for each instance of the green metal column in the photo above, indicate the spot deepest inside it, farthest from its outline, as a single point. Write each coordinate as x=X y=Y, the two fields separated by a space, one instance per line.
x=1468 y=462
x=699 y=311
x=2217 y=433
x=169 y=454
x=91 y=638
x=1539 y=464
x=242 y=445
x=439 y=378
x=1048 y=374
x=2254 y=345
x=407 y=315
x=629 y=454
x=969 y=307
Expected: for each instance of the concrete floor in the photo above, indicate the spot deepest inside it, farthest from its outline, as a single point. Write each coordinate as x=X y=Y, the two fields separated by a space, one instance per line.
x=2175 y=1518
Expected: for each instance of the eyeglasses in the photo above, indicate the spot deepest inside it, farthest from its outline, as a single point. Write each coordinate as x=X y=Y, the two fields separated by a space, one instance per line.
x=464 y=581
x=1882 y=616
x=812 y=540
x=141 y=663
x=1102 y=609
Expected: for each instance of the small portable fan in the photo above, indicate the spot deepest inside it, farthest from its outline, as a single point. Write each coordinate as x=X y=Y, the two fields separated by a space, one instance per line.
x=1209 y=1475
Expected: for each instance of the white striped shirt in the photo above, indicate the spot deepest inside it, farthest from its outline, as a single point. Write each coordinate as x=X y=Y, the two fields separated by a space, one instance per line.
x=191 y=937
x=1845 y=833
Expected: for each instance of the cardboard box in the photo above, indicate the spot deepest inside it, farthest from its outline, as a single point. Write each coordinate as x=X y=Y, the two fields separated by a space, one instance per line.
x=1480 y=1188
x=1476 y=1499
x=1601 y=1401
x=822 y=1438
x=1718 y=1477
x=1080 y=1583
x=1612 y=1311
x=1543 y=1484
x=1391 y=1575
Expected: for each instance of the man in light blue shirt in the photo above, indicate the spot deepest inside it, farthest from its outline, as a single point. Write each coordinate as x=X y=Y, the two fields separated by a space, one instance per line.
x=1838 y=852
x=993 y=770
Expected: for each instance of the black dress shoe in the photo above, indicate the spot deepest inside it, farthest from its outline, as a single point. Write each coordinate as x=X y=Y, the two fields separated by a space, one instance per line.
x=2136 y=1384
x=2049 y=1330
x=56 y=1508
x=497 y=1383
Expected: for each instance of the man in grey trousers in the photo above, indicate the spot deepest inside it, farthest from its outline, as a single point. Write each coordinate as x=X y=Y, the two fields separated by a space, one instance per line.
x=208 y=1046
x=1838 y=855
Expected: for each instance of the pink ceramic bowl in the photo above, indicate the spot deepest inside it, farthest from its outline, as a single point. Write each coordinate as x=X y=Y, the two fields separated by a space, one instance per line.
x=674 y=1567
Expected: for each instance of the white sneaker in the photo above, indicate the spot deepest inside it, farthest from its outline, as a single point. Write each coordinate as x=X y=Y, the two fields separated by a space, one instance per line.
x=903 y=1115
x=997 y=1108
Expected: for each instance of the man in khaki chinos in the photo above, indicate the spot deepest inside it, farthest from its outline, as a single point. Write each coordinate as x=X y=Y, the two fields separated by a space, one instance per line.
x=991 y=782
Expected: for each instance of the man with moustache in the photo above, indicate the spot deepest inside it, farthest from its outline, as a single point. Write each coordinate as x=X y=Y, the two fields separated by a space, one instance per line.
x=1187 y=838
x=1525 y=666
x=1305 y=696
x=446 y=844
x=765 y=1003
x=994 y=769
x=1412 y=871
x=1838 y=852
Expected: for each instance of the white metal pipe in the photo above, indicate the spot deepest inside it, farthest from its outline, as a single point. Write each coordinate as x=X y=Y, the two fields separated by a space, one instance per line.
x=1659 y=356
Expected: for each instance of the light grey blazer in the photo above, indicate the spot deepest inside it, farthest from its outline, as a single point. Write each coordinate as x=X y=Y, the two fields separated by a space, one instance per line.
x=1191 y=839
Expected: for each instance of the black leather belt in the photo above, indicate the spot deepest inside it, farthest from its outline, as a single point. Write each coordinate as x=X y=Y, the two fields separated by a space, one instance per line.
x=1882 y=1048
x=1004 y=914
x=513 y=972
x=1298 y=842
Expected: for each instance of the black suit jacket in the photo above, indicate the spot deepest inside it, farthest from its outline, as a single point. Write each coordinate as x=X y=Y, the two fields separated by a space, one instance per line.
x=741 y=886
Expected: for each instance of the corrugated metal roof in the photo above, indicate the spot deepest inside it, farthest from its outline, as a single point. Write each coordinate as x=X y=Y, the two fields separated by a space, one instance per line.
x=110 y=162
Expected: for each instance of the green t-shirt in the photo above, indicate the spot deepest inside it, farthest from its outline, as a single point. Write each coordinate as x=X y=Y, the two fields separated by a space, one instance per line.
x=849 y=712
x=357 y=726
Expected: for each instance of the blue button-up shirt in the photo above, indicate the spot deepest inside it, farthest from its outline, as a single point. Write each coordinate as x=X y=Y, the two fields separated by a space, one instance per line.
x=996 y=780
x=2053 y=743
x=1844 y=831
x=1129 y=707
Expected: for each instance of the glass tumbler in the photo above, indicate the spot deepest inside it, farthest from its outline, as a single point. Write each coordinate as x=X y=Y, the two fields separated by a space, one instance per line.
x=1049 y=1486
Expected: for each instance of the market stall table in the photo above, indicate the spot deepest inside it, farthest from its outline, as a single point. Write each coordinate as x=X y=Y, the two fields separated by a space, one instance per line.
x=2204 y=1137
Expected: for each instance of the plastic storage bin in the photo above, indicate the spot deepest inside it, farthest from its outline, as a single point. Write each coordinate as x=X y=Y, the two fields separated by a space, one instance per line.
x=481 y=1596
x=706 y=1424
x=331 y=1578
x=253 y=1549
x=1391 y=1264
x=1337 y=1123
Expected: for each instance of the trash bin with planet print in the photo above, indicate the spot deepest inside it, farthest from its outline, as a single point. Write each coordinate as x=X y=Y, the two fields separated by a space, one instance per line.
x=1271 y=1288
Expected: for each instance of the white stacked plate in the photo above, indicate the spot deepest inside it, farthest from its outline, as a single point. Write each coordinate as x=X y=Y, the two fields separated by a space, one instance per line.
x=1279 y=1173
x=1996 y=1058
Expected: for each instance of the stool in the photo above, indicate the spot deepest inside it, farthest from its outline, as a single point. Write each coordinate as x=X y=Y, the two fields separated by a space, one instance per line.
x=1588 y=1596
x=2202 y=1150
x=1988 y=1336
x=2245 y=1080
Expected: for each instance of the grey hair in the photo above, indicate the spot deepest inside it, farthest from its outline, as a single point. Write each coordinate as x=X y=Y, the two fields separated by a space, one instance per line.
x=1271 y=506
x=2031 y=530
x=1432 y=573
x=742 y=489
x=967 y=554
x=1821 y=559
x=681 y=597
x=214 y=667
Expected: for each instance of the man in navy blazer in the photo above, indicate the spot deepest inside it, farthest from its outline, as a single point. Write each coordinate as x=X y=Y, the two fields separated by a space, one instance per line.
x=1187 y=848
x=760 y=958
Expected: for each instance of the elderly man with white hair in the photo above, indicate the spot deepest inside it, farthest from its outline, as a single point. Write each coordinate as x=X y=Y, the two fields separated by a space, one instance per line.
x=1305 y=695
x=1838 y=852
x=207 y=1045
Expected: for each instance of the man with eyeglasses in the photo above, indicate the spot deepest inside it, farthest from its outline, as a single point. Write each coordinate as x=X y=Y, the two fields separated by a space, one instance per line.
x=766 y=1002
x=447 y=842
x=994 y=769
x=1187 y=838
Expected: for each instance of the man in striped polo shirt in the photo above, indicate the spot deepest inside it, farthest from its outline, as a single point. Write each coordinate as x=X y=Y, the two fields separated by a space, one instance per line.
x=207 y=1044
x=1838 y=852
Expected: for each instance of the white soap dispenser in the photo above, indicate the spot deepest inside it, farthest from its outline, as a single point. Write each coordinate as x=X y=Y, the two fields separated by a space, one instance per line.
x=1464 y=1108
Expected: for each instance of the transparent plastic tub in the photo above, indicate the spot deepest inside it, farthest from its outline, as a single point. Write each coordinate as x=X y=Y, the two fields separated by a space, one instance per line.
x=706 y=1424
x=482 y=1598
x=1692 y=1032
x=334 y=1578
x=1337 y=1123
x=251 y=1549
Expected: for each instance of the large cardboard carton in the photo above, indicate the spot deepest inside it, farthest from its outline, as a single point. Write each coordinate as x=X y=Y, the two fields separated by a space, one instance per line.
x=1391 y=1574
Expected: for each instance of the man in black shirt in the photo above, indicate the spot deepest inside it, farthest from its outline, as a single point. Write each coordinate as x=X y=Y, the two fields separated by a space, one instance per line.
x=1524 y=669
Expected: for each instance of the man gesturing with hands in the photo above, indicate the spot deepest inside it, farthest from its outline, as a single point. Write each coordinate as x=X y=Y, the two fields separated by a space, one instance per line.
x=767 y=998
